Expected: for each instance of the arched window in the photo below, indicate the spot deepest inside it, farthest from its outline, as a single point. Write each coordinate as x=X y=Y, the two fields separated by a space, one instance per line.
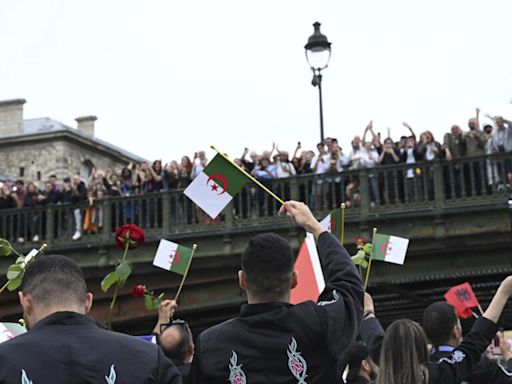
x=86 y=169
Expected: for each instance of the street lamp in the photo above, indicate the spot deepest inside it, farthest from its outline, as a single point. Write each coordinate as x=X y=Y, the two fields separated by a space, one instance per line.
x=318 y=54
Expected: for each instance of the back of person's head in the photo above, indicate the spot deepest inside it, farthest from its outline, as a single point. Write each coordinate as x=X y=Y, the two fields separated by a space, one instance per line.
x=54 y=280
x=267 y=264
x=176 y=342
x=438 y=321
x=404 y=354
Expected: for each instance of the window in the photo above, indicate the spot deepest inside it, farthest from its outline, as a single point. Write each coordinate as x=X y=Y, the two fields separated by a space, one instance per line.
x=22 y=171
x=38 y=175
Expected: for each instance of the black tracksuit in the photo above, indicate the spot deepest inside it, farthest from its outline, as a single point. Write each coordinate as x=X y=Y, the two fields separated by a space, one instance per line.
x=278 y=342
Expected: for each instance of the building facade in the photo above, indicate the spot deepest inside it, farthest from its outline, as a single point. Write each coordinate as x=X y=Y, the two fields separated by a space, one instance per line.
x=34 y=149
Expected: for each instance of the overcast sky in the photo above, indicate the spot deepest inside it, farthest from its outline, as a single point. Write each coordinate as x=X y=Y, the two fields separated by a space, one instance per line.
x=167 y=78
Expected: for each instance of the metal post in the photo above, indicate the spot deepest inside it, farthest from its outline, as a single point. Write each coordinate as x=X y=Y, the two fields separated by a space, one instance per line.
x=317 y=82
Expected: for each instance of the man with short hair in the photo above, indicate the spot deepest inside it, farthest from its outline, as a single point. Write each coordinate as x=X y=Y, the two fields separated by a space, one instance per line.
x=274 y=341
x=443 y=329
x=64 y=345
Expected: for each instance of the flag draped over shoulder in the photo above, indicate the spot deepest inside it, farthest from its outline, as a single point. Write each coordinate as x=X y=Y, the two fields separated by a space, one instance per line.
x=332 y=222
x=391 y=249
x=216 y=185
x=311 y=278
x=172 y=257
x=463 y=299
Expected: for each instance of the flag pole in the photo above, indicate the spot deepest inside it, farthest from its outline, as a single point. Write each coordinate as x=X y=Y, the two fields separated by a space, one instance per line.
x=186 y=272
x=474 y=314
x=481 y=310
x=342 y=223
x=251 y=177
x=370 y=262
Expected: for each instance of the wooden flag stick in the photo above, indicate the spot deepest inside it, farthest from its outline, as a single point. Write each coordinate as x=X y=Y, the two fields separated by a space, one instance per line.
x=251 y=177
x=342 y=223
x=476 y=316
x=481 y=310
x=370 y=262
x=186 y=272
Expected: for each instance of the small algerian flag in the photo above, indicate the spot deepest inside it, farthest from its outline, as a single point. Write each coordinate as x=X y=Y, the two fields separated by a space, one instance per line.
x=216 y=185
x=172 y=257
x=391 y=249
x=311 y=281
x=332 y=222
x=9 y=331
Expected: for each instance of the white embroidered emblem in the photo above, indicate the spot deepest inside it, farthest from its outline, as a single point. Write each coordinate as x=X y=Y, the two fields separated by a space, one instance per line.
x=236 y=375
x=457 y=357
x=296 y=363
x=112 y=378
x=336 y=298
x=24 y=378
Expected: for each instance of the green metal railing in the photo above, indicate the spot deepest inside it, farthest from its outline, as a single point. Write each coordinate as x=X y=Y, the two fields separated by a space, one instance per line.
x=437 y=185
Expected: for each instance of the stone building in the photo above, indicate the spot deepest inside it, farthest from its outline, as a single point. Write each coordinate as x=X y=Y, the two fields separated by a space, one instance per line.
x=34 y=149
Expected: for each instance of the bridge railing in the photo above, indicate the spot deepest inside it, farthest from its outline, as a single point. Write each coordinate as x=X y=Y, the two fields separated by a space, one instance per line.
x=436 y=185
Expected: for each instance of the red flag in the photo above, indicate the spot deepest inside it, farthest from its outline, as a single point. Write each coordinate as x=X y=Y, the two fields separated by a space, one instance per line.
x=311 y=279
x=463 y=299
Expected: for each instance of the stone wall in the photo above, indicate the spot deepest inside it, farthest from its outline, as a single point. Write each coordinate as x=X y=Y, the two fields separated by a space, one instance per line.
x=59 y=156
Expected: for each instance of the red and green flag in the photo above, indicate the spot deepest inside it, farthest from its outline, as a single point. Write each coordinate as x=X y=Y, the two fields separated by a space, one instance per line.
x=9 y=331
x=216 y=185
x=172 y=257
x=332 y=222
x=391 y=249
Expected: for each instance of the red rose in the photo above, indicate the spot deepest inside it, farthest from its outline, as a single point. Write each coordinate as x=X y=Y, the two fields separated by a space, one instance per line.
x=138 y=290
x=129 y=233
x=359 y=241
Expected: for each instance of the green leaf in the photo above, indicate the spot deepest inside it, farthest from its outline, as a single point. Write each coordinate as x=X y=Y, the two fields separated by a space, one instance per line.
x=15 y=283
x=14 y=271
x=160 y=296
x=123 y=270
x=5 y=248
x=367 y=248
x=20 y=260
x=108 y=280
x=148 y=302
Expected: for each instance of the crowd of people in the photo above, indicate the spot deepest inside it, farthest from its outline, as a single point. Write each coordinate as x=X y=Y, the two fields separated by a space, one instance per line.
x=366 y=152
x=272 y=341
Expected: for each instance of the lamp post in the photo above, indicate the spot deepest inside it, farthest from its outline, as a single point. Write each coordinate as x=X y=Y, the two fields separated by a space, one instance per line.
x=318 y=54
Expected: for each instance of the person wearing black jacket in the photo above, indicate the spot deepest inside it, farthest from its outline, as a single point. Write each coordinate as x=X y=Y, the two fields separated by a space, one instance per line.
x=274 y=341
x=401 y=352
x=77 y=195
x=64 y=346
x=444 y=331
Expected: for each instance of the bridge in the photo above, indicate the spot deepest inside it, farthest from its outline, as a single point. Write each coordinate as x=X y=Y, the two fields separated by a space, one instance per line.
x=454 y=213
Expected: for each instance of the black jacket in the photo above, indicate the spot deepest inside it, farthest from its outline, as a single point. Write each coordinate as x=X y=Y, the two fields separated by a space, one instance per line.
x=278 y=342
x=486 y=371
x=454 y=369
x=69 y=348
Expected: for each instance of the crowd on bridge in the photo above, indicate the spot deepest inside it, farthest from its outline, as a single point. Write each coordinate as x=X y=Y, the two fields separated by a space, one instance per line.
x=272 y=341
x=366 y=152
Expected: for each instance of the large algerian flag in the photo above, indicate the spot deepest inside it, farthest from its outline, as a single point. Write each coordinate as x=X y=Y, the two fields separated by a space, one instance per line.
x=311 y=281
x=391 y=249
x=332 y=222
x=9 y=331
x=216 y=185
x=172 y=257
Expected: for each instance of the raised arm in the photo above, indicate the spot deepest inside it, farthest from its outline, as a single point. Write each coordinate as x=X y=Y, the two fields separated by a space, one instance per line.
x=368 y=128
x=410 y=129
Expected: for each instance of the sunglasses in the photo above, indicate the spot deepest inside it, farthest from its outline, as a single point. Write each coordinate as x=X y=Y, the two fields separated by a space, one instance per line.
x=164 y=326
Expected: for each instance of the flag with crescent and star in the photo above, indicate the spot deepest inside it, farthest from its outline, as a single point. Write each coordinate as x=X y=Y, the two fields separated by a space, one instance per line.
x=216 y=185
x=9 y=331
x=332 y=222
x=391 y=249
x=172 y=257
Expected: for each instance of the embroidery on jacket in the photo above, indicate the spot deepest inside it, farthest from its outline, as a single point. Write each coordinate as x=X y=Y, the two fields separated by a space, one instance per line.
x=296 y=363
x=336 y=298
x=112 y=378
x=457 y=357
x=24 y=378
x=236 y=374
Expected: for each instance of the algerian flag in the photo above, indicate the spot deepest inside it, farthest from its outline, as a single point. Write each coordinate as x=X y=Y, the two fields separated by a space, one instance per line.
x=332 y=222
x=9 y=331
x=216 y=185
x=391 y=249
x=172 y=257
